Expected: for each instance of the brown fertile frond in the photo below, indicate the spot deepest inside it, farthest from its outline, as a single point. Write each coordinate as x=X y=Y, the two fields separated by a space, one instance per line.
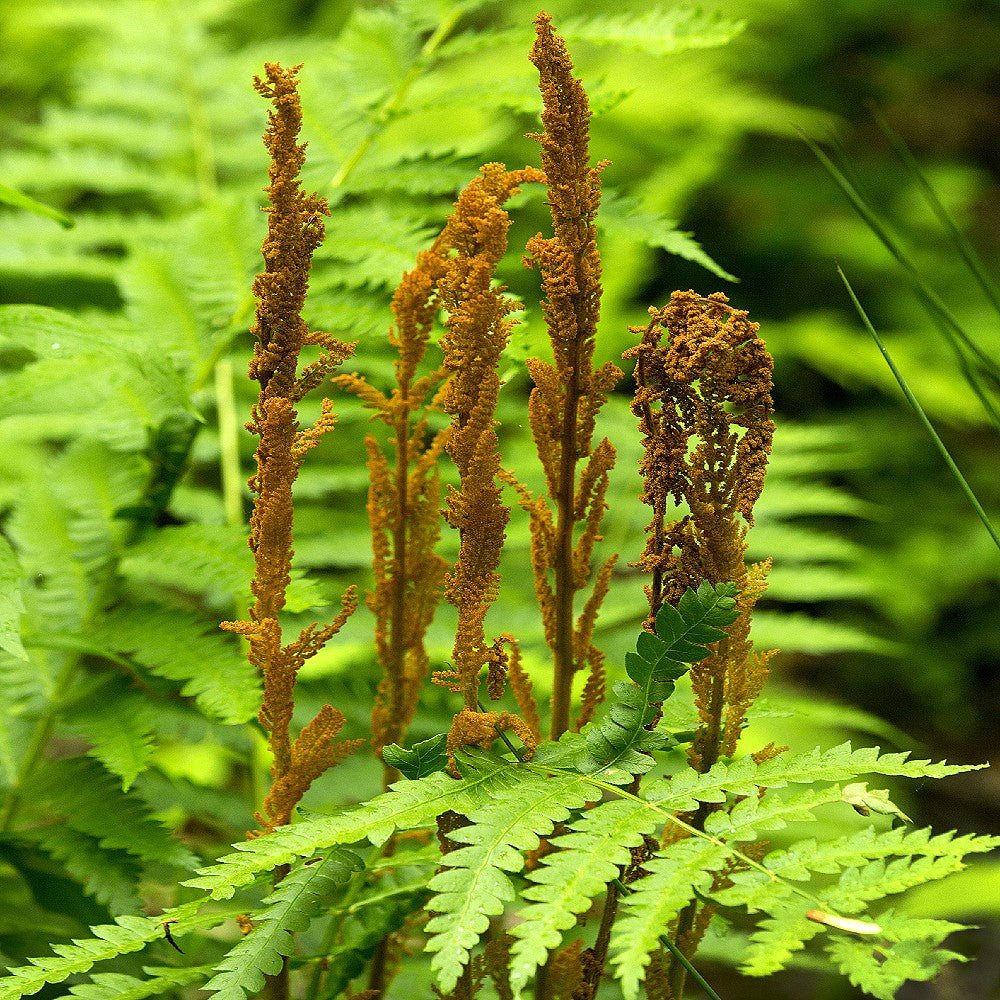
x=312 y=754
x=294 y=231
x=710 y=382
x=472 y=243
x=404 y=503
x=497 y=660
x=496 y=955
x=566 y=971
x=568 y=392
x=703 y=399
x=521 y=686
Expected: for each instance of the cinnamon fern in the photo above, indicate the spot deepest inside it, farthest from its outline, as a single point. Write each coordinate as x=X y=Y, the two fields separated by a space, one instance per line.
x=137 y=736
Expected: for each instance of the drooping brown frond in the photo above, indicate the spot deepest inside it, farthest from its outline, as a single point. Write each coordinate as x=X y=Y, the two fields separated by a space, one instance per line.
x=481 y=729
x=295 y=229
x=568 y=392
x=703 y=399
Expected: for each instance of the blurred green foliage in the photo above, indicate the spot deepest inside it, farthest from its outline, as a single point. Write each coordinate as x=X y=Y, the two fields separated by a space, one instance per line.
x=138 y=119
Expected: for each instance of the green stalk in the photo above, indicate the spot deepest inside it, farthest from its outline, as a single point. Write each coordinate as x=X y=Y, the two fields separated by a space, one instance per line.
x=954 y=334
x=393 y=103
x=918 y=409
x=962 y=245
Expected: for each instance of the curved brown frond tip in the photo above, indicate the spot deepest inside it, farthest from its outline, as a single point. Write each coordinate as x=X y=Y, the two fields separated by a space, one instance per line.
x=480 y=729
x=703 y=398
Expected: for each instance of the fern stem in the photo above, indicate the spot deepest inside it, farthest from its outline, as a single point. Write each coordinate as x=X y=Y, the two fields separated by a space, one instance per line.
x=157 y=493
x=603 y=940
x=919 y=410
x=394 y=103
x=229 y=446
x=202 y=146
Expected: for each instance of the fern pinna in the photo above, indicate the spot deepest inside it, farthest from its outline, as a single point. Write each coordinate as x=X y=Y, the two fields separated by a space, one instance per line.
x=607 y=852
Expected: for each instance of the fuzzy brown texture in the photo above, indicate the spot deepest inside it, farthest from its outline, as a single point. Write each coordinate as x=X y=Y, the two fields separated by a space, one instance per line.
x=294 y=230
x=703 y=398
x=481 y=729
x=471 y=245
x=521 y=687
x=404 y=500
x=568 y=392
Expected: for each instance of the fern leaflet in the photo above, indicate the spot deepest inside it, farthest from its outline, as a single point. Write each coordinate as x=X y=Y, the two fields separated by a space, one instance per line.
x=908 y=951
x=118 y=986
x=674 y=877
x=410 y=805
x=619 y=747
x=475 y=885
x=587 y=860
x=291 y=907
x=125 y=935
x=93 y=803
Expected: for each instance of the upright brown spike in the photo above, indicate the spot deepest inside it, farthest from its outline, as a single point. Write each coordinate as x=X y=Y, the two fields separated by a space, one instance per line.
x=294 y=231
x=569 y=392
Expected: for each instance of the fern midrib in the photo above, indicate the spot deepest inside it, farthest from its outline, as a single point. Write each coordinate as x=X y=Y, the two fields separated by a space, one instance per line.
x=395 y=102
x=672 y=818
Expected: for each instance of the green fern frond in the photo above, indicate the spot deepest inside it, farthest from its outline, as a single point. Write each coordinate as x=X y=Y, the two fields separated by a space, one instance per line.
x=778 y=937
x=619 y=747
x=111 y=876
x=191 y=286
x=118 y=986
x=290 y=908
x=175 y=645
x=11 y=602
x=841 y=763
x=127 y=934
x=657 y=31
x=119 y=723
x=475 y=885
x=371 y=246
x=377 y=911
x=81 y=377
x=92 y=801
x=211 y=560
x=916 y=857
x=587 y=859
x=624 y=216
x=410 y=805
x=421 y=759
x=908 y=951
x=674 y=878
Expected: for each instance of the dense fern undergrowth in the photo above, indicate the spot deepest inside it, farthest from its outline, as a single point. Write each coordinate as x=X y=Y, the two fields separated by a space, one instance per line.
x=571 y=793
